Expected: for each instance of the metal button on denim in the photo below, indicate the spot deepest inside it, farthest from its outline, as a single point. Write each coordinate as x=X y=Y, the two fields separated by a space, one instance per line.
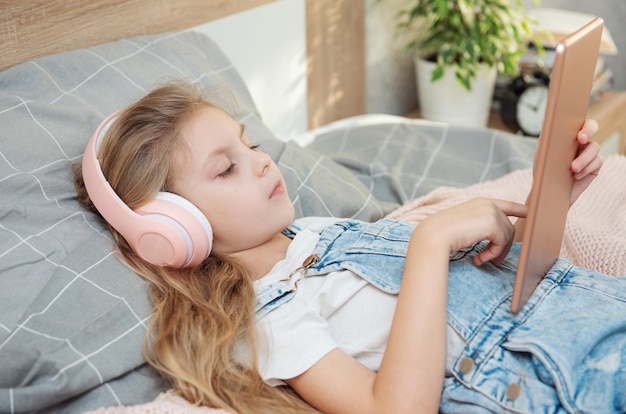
x=467 y=365
x=513 y=391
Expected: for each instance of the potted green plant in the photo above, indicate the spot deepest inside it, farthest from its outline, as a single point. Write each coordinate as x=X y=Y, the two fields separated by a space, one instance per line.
x=460 y=47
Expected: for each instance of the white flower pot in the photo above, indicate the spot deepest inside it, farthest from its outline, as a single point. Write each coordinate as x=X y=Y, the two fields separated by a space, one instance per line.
x=445 y=100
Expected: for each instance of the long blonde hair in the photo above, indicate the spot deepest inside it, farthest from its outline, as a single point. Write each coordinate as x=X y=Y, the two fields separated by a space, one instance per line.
x=201 y=314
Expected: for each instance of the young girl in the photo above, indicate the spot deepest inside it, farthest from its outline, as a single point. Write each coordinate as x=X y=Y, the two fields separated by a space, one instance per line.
x=354 y=317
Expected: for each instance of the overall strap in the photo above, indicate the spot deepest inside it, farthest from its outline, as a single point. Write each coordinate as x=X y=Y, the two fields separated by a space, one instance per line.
x=374 y=251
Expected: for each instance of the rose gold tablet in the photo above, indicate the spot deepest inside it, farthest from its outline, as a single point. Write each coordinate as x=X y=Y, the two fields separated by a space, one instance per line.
x=571 y=80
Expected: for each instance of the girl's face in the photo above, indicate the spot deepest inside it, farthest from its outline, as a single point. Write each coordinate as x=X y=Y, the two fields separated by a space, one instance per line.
x=237 y=187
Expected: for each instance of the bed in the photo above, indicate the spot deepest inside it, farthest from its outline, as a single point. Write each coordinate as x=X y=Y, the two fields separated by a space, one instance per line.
x=72 y=317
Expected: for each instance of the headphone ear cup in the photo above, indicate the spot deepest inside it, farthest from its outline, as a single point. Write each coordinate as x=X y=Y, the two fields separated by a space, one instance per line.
x=179 y=233
x=169 y=230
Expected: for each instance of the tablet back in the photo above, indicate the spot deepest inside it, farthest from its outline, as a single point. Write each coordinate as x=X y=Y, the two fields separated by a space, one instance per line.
x=571 y=80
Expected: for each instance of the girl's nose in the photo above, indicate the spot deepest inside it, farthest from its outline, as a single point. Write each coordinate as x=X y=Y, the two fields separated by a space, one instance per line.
x=262 y=163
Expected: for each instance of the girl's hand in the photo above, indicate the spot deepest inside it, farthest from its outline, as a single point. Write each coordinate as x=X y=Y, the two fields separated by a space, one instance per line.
x=587 y=164
x=473 y=221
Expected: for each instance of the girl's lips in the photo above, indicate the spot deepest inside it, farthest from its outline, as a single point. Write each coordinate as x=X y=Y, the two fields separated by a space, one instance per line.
x=278 y=189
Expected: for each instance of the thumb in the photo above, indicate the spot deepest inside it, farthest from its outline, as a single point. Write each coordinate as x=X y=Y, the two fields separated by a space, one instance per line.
x=494 y=253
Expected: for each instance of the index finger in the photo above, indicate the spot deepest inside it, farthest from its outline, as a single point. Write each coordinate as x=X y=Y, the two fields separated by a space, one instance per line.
x=511 y=208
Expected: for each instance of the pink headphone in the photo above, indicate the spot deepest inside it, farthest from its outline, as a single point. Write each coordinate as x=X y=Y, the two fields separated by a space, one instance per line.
x=167 y=231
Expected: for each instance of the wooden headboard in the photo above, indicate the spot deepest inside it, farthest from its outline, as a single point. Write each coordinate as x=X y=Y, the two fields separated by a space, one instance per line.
x=335 y=37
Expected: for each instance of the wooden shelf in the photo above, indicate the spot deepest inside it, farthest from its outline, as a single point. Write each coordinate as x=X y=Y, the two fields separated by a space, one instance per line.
x=609 y=109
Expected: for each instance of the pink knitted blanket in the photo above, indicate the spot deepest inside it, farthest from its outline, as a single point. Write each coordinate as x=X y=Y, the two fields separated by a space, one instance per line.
x=595 y=231
x=165 y=403
x=595 y=237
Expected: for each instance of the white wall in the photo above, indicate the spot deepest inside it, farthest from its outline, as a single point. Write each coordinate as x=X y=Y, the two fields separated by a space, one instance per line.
x=267 y=45
x=390 y=77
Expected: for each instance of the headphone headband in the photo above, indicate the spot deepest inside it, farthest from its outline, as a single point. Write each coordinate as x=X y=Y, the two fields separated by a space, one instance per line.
x=168 y=230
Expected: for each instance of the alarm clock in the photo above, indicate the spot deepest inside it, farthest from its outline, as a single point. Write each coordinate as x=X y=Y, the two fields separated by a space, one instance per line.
x=523 y=105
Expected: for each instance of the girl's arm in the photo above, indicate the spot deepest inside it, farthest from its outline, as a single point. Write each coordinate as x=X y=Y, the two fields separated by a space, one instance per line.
x=411 y=374
x=585 y=167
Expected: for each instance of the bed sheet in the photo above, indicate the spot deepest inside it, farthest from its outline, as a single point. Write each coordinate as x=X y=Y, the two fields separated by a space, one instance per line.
x=399 y=159
x=72 y=317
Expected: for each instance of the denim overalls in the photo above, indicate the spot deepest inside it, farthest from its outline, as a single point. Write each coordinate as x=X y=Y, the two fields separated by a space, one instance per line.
x=565 y=351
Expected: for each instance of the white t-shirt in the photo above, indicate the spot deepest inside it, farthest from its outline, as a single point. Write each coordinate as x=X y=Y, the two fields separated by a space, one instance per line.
x=338 y=310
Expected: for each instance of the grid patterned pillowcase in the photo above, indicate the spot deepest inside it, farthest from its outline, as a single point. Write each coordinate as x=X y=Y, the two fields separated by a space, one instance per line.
x=72 y=317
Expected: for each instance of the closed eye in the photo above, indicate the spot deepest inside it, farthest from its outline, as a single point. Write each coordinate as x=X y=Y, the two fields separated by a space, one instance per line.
x=228 y=171
x=254 y=147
